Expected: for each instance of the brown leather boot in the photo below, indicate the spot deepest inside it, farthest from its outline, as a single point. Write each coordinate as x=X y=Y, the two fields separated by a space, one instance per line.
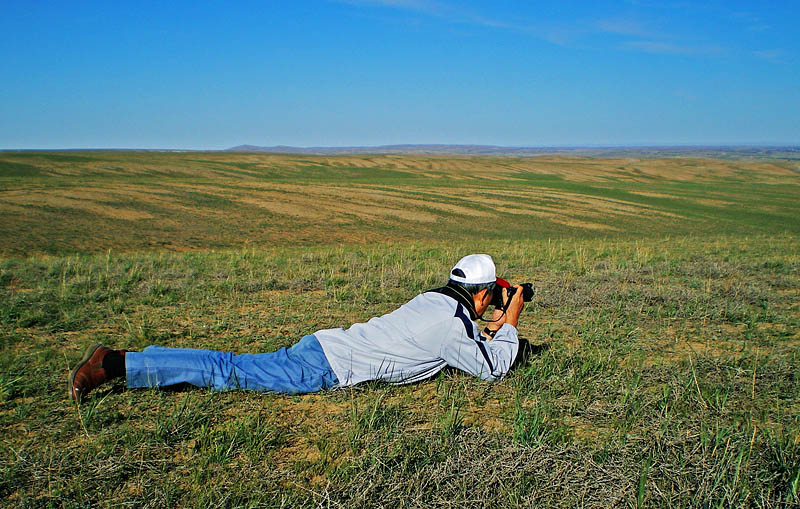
x=90 y=372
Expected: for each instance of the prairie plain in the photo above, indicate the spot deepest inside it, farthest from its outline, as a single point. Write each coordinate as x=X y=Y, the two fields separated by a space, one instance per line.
x=662 y=364
x=57 y=203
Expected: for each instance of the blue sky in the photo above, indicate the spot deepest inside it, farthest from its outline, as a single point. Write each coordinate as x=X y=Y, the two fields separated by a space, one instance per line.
x=210 y=75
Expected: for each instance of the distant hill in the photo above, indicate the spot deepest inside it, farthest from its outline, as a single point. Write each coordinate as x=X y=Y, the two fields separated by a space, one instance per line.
x=393 y=149
x=780 y=152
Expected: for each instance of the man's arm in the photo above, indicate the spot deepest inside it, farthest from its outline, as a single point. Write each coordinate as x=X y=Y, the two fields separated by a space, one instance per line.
x=488 y=360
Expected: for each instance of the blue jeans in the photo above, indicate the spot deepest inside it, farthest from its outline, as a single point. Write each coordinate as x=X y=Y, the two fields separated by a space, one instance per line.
x=299 y=369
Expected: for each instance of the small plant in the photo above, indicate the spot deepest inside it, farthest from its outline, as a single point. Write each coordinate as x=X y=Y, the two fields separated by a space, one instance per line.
x=8 y=383
x=88 y=410
x=641 y=493
x=452 y=422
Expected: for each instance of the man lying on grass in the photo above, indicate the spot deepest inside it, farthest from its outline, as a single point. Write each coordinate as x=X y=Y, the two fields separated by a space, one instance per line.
x=435 y=329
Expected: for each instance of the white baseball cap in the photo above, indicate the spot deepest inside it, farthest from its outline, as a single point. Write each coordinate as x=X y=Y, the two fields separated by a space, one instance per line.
x=474 y=269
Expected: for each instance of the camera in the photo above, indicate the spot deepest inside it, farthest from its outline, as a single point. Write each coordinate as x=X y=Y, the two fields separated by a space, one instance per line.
x=497 y=295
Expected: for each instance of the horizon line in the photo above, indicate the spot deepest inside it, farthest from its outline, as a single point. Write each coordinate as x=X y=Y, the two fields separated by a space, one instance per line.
x=393 y=145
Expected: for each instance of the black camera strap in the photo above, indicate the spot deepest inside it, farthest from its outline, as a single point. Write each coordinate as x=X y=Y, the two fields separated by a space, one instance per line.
x=459 y=295
x=465 y=299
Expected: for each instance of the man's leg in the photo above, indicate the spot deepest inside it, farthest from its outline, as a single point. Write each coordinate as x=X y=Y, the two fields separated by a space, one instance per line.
x=299 y=369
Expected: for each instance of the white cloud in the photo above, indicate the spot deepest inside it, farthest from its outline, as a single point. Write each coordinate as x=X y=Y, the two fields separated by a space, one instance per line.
x=668 y=48
x=759 y=27
x=623 y=27
x=452 y=14
x=432 y=8
x=641 y=36
x=775 y=56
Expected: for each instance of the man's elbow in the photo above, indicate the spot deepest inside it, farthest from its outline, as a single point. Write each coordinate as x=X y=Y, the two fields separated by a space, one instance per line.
x=496 y=374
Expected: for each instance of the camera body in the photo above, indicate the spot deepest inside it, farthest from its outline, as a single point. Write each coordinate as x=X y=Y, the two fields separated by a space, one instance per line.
x=497 y=296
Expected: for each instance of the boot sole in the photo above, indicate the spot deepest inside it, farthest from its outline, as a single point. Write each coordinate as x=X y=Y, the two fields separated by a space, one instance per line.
x=86 y=356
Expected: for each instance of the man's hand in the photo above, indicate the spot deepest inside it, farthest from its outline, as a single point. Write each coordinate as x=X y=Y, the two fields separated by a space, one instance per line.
x=499 y=317
x=515 y=306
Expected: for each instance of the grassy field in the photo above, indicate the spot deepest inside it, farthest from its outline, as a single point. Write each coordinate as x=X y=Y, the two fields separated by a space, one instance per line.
x=57 y=203
x=663 y=368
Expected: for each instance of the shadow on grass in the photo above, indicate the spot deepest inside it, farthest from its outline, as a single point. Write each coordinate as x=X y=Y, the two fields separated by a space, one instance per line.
x=528 y=350
x=119 y=387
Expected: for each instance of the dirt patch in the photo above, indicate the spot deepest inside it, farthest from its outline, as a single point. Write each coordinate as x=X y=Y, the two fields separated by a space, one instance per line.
x=682 y=350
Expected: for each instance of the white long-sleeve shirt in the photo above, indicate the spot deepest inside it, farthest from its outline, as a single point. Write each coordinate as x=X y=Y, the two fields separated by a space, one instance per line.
x=415 y=342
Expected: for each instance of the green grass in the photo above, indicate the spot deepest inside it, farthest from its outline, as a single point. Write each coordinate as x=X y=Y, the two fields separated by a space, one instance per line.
x=664 y=373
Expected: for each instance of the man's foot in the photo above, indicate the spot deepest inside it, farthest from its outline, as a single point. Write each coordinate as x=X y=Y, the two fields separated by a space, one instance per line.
x=92 y=371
